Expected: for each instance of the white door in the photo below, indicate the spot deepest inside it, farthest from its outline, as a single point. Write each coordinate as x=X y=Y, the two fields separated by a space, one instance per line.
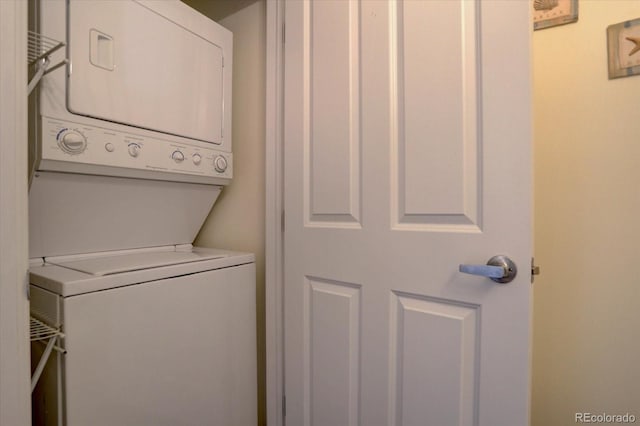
x=407 y=153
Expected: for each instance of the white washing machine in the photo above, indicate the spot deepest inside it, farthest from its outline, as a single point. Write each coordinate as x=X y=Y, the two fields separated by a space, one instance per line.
x=162 y=336
x=130 y=146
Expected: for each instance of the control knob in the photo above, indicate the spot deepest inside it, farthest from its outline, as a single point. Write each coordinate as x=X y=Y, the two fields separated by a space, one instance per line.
x=220 y=164
x=134 y=149
x=72 y=142
x=177 y=156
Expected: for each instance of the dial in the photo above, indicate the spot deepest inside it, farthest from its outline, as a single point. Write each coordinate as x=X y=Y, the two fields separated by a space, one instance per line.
x=134 y=149
x=72 y=142
x=220 y=164
x=197 y=159
x=177 y=156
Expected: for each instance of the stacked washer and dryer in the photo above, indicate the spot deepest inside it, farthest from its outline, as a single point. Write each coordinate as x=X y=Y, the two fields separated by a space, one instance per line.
x=131 y=146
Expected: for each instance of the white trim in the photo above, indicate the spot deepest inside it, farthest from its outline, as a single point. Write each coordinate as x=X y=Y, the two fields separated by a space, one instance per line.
x=274 y=212
x=15 y=387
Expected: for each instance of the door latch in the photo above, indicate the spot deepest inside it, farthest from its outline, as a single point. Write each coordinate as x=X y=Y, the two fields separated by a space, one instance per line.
x=535 y=270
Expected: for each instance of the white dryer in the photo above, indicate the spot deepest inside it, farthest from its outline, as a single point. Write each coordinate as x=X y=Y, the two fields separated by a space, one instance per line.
x=131 y=140
x=162 y=336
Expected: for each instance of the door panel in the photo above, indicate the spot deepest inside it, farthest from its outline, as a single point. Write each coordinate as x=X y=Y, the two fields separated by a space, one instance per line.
x=332 y=113
x=332 y=317
x=445 y=334
x=435 y=116
x=407 y=153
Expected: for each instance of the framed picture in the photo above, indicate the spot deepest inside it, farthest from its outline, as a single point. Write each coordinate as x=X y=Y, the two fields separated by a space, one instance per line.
x=623 y=44
x=549 y=13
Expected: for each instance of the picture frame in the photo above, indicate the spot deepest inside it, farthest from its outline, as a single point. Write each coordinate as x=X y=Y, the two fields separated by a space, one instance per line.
x=623 y=48
x=551 y=13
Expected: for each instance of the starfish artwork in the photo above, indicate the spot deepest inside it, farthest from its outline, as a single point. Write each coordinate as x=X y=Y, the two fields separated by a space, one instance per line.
x=635 y=40
x=544 y=4
x=623 y=45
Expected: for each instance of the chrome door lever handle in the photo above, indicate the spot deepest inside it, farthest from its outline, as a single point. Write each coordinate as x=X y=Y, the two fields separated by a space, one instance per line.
x=484 y=270
x=500 y=269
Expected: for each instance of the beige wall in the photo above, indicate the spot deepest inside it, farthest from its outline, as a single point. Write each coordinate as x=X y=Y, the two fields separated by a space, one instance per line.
x=237 y=219
x=586 y=350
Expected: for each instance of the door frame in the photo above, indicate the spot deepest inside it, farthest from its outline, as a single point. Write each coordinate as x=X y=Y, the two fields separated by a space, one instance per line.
x=274 y=208
x=15 y=392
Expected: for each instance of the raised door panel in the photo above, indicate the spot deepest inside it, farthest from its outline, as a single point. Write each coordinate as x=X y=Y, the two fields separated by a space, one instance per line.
x=434 y=345
x=332 y=352
x=332 y=113
x=436 y=143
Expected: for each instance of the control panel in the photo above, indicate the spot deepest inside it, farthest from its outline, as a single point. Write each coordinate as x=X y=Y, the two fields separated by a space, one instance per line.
x=78 y=143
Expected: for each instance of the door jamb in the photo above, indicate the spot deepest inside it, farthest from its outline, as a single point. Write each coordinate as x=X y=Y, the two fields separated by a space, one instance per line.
x=274 y=207
x=15 y=401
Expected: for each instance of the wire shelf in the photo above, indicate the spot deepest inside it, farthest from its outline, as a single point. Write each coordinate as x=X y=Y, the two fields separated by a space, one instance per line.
x=40 y=46
x=39 y=49
x=41 y=331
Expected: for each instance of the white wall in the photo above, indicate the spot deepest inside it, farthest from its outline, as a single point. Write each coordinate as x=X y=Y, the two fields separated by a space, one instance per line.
x=586 y=351
x=237 y=220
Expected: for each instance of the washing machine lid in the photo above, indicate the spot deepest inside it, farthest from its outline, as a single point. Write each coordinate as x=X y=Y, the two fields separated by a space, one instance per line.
x=75 y=275
x=122 y=263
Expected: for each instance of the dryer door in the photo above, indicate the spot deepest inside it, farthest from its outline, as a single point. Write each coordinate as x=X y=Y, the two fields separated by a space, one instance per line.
x=159 y=69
